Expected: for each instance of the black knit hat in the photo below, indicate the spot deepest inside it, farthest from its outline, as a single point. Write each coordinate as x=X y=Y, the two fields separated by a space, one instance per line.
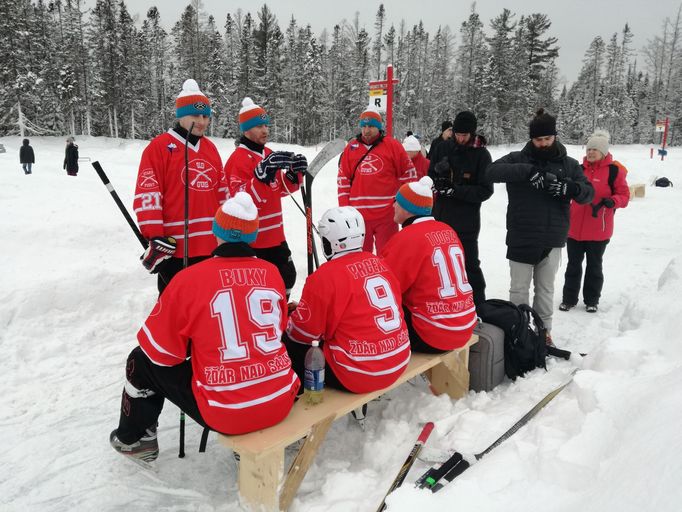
x=445 y=126
x=542 y=125
x=465 y=122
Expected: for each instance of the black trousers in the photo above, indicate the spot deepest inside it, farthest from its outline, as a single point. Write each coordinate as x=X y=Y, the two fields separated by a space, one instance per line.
x=473 y=266
x=593 y=252
x=297 y=352
x=417 y=344
x=168 y=268
x=157 y=383
x=280 y=256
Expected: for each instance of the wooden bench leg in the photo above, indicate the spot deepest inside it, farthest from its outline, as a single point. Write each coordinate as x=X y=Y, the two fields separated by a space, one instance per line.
x=451 y=376
x=304 y=458
x=259 y=477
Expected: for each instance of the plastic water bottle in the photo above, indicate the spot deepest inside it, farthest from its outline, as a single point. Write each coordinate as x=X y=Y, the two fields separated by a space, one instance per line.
x=313 y=381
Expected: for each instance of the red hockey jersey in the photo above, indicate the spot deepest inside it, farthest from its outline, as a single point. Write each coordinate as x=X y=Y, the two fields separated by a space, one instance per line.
x=353 y=303
x=428 y=259
x=268 y=198
x=160 y=191
x=234 y=311
x=370 y=183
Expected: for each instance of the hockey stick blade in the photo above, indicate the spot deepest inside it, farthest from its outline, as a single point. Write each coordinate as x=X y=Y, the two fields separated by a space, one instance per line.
x=329 y=151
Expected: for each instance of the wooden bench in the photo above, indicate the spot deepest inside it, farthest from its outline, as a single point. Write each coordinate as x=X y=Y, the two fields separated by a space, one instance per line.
x=637 y=190
x=262 y=452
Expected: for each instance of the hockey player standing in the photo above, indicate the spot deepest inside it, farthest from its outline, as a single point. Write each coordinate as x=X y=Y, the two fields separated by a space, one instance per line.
x=371 y=169
x=266 y=184
x=160 y=191
x=233 y=309
x=352 y=304
x=437 y=298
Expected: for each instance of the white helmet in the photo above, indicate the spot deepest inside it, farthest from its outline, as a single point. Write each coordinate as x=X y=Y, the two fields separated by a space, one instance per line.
x=342 y=230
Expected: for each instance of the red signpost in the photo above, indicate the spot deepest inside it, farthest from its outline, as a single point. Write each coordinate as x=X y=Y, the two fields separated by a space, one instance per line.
x=662 y=126
x=381 y=97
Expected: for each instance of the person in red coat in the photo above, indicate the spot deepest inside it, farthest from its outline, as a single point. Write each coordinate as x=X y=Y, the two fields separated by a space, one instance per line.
x=591 y=225
x=372 y=168
x=438 y=302
x=159 y=201
x=352 y=304
x=413 y=148
x=229 y=312
x=266 y=188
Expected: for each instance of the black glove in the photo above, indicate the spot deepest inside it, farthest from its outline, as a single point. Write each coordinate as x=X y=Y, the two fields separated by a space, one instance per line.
x=442 y=169
x=608 y=202
x=158 y=250
x=444 y=187
x=299 y=165
x=266 y=170
x=563 y=189
x=537 y=178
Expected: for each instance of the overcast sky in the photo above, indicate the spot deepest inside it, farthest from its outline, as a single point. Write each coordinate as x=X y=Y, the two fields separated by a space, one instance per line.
x=574 y=22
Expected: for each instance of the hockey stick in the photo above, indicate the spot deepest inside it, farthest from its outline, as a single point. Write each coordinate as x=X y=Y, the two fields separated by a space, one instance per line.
x=329 y=151
x=457 y=464
x=103 y=176
x=400 y=477
x=185 y=261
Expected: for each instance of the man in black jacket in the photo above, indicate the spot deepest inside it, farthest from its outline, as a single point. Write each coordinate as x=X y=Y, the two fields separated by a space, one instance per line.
x=541 y=181
x=445 y=135
x=71 y=157
x=458 y=172
x=26 y=157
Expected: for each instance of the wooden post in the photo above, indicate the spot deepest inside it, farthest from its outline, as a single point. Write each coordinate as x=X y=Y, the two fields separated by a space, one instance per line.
x=259 y=477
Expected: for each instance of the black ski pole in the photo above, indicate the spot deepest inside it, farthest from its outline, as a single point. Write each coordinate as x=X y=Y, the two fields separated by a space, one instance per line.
x=400 y=477
x=185 y=262
x=103 y=176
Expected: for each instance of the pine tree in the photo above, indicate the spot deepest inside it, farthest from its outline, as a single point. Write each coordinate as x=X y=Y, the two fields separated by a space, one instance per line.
x=377 y=45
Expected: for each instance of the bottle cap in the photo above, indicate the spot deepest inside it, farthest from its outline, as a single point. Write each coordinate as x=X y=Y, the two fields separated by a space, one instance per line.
x=316 y=343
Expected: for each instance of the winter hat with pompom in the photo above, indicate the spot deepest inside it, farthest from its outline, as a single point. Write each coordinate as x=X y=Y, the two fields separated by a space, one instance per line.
x=542 y=125
x=251 y=115
x=191 y=101
x=599 y=140
x=371 y=117
x=237 y=219
x=416 y=197
x=411 y=143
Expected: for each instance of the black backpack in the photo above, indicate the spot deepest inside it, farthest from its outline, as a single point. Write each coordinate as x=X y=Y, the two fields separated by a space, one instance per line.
x=663 y=182
x=525 y=345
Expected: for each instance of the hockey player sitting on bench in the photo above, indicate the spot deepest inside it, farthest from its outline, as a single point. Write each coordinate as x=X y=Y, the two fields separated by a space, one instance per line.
x=427 y=258
x=352 y=303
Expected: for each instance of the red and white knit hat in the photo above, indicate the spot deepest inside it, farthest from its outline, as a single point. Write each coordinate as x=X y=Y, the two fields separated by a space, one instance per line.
x=416 y=197
x=191 y=101
x=237 y=219
x=251 y=115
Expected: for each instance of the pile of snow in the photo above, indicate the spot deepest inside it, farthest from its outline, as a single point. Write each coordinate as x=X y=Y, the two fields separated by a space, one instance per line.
x=74 y=295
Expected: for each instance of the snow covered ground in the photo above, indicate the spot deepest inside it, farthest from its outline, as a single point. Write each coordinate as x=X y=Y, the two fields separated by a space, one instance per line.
x=74 y=295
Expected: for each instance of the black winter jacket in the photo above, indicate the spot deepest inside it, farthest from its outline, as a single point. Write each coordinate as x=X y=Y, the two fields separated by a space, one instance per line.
x=71 y=158
x=536 y=221
x=26 y=155
x=462 y=211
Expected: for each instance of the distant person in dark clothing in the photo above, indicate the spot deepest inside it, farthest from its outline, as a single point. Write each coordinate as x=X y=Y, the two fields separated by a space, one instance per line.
x=458 y=171
x=26 y=157
x=445 y=134
x=71 y=158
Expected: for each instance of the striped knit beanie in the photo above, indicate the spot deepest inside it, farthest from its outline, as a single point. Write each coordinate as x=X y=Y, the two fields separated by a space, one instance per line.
x=371 y=117
x=416 y=197
x=237 y=220
x=251 y=115
x=191 y=101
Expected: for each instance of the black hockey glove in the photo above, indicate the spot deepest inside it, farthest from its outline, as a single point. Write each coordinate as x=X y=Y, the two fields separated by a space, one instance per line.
x=158 y=250
x=563 y=189
x=266 y=170
x=299 y=165
x=444 y=187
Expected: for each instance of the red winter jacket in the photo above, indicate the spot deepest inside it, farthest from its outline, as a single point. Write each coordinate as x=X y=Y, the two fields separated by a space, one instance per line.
x=586 y=227
x=421 y=164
